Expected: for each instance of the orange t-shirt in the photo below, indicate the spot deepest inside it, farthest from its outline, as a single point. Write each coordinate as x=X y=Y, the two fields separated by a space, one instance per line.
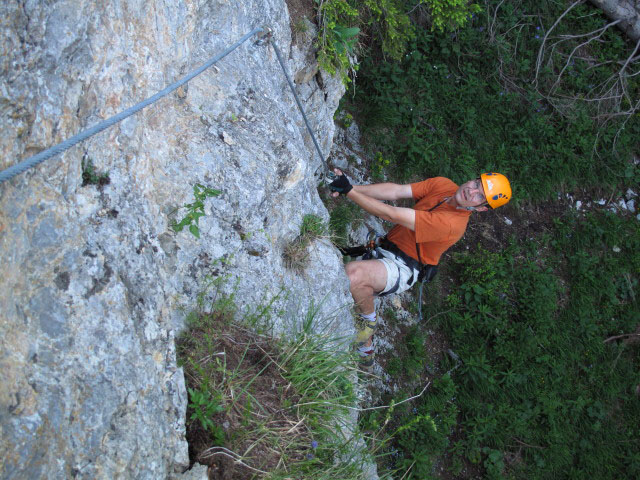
x=435 y=231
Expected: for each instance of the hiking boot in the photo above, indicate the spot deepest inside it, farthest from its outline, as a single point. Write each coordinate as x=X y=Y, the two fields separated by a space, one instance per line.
x=366 y=353
x=364 y=330
x=366 y=356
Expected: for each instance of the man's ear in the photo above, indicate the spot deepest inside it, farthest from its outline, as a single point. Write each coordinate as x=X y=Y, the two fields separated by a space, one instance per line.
x=481 y=209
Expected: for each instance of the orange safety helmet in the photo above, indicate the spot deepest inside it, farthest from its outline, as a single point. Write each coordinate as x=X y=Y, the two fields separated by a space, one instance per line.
x=497 y=189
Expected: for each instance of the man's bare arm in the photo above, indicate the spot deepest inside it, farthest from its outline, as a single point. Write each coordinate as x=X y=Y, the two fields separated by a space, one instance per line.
x=385 y=191
x=397 y=215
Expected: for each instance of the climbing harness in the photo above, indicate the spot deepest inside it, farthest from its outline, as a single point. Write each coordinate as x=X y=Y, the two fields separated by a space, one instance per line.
x=367 y=251
x=264 y=37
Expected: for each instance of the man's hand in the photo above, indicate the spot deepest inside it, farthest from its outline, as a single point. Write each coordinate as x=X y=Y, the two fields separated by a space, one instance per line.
x=341 y=184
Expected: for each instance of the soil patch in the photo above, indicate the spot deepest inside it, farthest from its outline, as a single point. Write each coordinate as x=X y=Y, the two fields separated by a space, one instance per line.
x=238 y=370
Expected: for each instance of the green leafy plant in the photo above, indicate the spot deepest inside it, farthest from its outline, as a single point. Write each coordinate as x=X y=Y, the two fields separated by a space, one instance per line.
x=416 y=358
x=344 y=119
x=204 y=405
x=378 y=166
x=337 y=37
x=195 y=210
x=90 y=176
x=450 y=14
x=344 y=38
x=342 y=22
x=388 y=22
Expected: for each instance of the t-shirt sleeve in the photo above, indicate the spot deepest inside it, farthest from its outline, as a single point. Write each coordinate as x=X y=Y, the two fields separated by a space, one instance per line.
x=432 y=227
x=422 y=189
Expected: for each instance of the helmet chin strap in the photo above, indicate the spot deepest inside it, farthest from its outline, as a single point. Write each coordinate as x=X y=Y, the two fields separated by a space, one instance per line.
x=473 y=209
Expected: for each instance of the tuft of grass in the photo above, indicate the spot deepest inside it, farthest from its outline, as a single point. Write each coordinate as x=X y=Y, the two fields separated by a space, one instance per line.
x=267 y=407
x=296 y=254
x=340 y=217
x=313 y=227
x=301 y=27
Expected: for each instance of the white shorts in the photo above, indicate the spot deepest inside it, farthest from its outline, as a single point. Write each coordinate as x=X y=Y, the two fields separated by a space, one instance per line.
x=400 y=276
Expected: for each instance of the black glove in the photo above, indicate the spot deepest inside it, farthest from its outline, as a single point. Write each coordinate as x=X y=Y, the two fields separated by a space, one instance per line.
x=341 y=184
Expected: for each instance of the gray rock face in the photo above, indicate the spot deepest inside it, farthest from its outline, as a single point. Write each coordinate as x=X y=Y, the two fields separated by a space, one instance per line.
x=94 y=283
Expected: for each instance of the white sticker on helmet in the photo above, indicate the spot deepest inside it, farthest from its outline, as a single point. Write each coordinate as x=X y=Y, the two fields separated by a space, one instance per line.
x=489 y=184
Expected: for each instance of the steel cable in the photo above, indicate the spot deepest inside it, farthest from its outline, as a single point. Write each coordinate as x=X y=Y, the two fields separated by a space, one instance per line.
x=14 y=170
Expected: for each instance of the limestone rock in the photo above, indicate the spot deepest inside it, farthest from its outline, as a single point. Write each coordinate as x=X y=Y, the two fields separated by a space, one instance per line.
x=94 y=280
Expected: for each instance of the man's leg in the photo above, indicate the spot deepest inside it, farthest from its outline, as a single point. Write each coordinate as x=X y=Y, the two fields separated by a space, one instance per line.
x=366 y=277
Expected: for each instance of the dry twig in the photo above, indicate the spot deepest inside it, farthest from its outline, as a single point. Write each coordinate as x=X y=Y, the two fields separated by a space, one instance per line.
x=616 y=337
x=228 y=453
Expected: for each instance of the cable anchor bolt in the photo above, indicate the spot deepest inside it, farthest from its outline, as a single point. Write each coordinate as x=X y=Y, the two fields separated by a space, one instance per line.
x=264 y=36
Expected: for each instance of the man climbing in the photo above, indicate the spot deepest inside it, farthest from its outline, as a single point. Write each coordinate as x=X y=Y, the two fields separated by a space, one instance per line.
x=419 y=237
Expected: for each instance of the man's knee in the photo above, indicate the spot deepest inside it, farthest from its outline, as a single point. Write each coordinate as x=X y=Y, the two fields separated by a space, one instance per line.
x=355 y=273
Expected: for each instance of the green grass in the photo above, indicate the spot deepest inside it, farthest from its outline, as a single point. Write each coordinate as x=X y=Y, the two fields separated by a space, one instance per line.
x=342 y=215
x=264 y=406
x=296 y=252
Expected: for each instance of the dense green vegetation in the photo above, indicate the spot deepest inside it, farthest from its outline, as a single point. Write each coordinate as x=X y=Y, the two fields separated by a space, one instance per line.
x=545 y=383
x=466 y=101
x=547 y=379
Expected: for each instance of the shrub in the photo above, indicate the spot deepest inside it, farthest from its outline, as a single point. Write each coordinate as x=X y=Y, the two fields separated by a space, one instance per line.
x=463 y=103
x=538 y=380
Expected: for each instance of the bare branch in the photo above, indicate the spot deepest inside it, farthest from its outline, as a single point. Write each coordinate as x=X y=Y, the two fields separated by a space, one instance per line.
x=621 y=336
x=372 y=408
x=546 y=35
x=624 y=67
x=527 y=445
x=602 y=29
x=210 y=452
x=568 y=62
x=493 y=22
x=635 y=108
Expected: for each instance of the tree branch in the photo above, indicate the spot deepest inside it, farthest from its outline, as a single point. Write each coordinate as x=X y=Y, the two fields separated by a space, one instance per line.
x=546 y=35
x=616 y=337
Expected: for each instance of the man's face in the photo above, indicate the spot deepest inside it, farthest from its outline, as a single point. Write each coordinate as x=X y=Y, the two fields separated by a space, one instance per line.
x=471 y=194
